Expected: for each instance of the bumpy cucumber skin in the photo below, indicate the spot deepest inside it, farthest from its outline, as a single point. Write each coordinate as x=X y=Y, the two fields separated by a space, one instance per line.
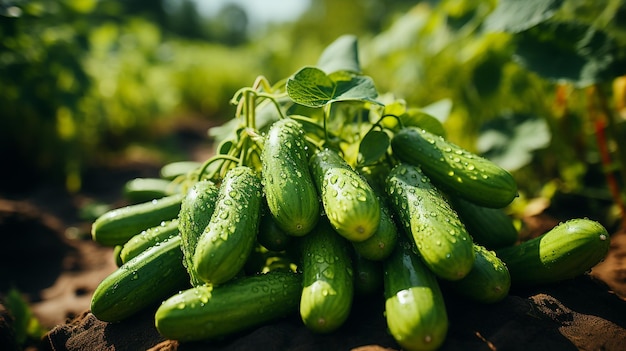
x=225 y=244
x=143 y=281
x=440 y=236
x=349 y=202
x=490 y=227
x=379 y=246
x=209 y=313
x=117 y=226
x=566 y=251
x=145 y=189
x=454 y=169
x=287 y=183
x=195 y=214
x=148 y=238
x=489 y=280
x=328 y=286
x=414 y=306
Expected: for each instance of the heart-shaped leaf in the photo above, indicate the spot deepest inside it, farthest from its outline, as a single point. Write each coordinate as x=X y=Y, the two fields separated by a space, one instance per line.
x=310 y=86
x=372 y=147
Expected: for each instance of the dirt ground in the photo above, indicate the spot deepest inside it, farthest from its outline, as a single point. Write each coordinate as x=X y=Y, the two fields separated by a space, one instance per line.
x=57 y=269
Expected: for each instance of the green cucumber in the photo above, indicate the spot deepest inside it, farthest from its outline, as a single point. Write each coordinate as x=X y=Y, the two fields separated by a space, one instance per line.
x=490 y=227
x=117 y=250
x=440 y=236
x=178 y=168
x=378 y=246
x=368 y=276
x=454 y=169
x=143 y=281
x=193 y=218
x=145 y=189
x=148 y=238
x=226 y=243
x=215 y=312
x=328 y=285
x=350 y=203
x=270 y=234
x=566 y=251
x=117 y=226
x=289 y=190
x=489 y=280
x=414 y=306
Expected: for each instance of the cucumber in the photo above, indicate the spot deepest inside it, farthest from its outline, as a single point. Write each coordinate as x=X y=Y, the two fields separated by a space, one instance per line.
x=193 y=218
x=414 y=306
x=490 y=227
x=368 y=276
x=378 y=246
x=289 y=190
x=143 y=281
x=328 y=286
x=145 y=189
x=216 y=312
x=270 y=235
x=489 y=280
x=566 y=251
x=117 y=226
x=148 y=238
x=224 y=246
x=454 y=169
x=174 y=169
x=441 y=238
x=349 y=202
x=117 y=250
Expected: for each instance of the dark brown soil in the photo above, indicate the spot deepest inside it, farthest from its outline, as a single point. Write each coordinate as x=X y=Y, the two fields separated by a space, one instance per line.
x=57 y=271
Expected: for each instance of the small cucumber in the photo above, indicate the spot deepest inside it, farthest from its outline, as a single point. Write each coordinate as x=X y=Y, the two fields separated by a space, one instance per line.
x=214 y=312
x=440 y=236
x=378 y=246
x=117 y=226
x=148 y=238
x=270 y=235
x=145 y=189
x=454 y=169
x=368 y=276
x=143 y=281
x=193 y=218
x=289 y=189
x=414 y=306
x=178 y=168
x=566 y=251
x=489 y=280
x=328 y=285
x=490 y=227
x=224 y=246
x=350 y=203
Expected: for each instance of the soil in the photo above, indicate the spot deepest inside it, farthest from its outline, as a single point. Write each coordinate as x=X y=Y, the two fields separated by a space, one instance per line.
x=48 y=255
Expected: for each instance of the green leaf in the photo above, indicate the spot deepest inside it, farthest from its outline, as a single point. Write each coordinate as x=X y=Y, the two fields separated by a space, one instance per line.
x=373 y=146
x=414 y=117
x=341 y=55
x=510 y=140
x=514 y=16
x=311 y=87
x=573 y=52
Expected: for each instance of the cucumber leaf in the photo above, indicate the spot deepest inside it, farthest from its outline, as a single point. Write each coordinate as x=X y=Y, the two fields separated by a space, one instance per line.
x=510 y=140
x=312 y=87
x=373 y=146
x=514 y=16
x=570 y=51
x=340 y=55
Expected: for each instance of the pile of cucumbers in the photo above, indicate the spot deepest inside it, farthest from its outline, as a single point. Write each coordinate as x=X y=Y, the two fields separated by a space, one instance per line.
x=303 y=207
